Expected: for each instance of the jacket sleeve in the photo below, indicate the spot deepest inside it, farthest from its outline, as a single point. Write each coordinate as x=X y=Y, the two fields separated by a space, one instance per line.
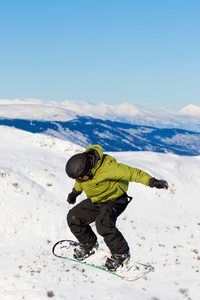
x=140 y=176
x=77 y=187
x=124 y=172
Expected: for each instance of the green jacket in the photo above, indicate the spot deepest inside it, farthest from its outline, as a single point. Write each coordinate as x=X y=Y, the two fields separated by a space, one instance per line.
x=110 y=179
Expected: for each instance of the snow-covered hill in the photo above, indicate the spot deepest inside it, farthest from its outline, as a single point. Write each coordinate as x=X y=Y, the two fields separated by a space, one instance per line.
x=188 y=118
x=162 y=227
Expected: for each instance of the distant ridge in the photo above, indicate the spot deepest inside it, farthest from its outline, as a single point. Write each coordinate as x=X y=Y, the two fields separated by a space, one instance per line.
x=114 y=136
x=33 y=109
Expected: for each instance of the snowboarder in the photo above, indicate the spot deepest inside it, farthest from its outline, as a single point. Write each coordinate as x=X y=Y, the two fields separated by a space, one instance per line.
x=105 y=183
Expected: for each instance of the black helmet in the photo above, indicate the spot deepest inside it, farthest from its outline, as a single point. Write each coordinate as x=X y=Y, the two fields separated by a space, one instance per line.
x=78 y=165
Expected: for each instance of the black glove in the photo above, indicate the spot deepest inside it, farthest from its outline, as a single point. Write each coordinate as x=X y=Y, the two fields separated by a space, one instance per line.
x=159 y=184
x=71 y=199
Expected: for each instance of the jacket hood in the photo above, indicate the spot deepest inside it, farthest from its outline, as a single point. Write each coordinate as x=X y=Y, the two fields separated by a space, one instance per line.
x=95 y=154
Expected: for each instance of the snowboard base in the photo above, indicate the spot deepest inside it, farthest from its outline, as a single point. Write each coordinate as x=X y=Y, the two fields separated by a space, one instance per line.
x=130 y=271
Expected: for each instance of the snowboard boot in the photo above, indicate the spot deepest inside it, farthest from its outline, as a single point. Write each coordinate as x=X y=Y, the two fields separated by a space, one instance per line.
x=116 y=261
x=85 y=250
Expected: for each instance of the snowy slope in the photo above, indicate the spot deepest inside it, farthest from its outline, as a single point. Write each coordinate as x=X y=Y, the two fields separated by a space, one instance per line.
x=188 y=118
x=162 y=227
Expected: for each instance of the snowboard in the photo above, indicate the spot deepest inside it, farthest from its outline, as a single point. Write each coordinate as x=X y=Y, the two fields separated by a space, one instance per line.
x=130 y=271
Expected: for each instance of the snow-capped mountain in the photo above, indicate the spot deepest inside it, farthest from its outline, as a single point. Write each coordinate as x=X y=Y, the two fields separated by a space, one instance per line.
x=161 y=226
x=117 y=128
x=188 y=118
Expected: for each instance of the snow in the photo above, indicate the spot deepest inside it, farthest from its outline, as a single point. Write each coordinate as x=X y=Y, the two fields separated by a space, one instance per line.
x=161 y=226
x=191 y=110
x=191 y=140
x=33 y=109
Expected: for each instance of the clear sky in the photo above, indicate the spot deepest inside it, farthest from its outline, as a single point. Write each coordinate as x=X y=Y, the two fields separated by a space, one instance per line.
x=144 y=52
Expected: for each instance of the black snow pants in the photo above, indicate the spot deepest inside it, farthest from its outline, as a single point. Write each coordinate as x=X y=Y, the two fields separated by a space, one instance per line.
x=104 y=215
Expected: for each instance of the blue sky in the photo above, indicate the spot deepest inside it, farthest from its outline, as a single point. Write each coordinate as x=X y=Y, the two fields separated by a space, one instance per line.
x=143 y=52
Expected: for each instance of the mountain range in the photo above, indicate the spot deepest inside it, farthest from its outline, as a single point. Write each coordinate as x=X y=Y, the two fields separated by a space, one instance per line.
x=122 y=127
